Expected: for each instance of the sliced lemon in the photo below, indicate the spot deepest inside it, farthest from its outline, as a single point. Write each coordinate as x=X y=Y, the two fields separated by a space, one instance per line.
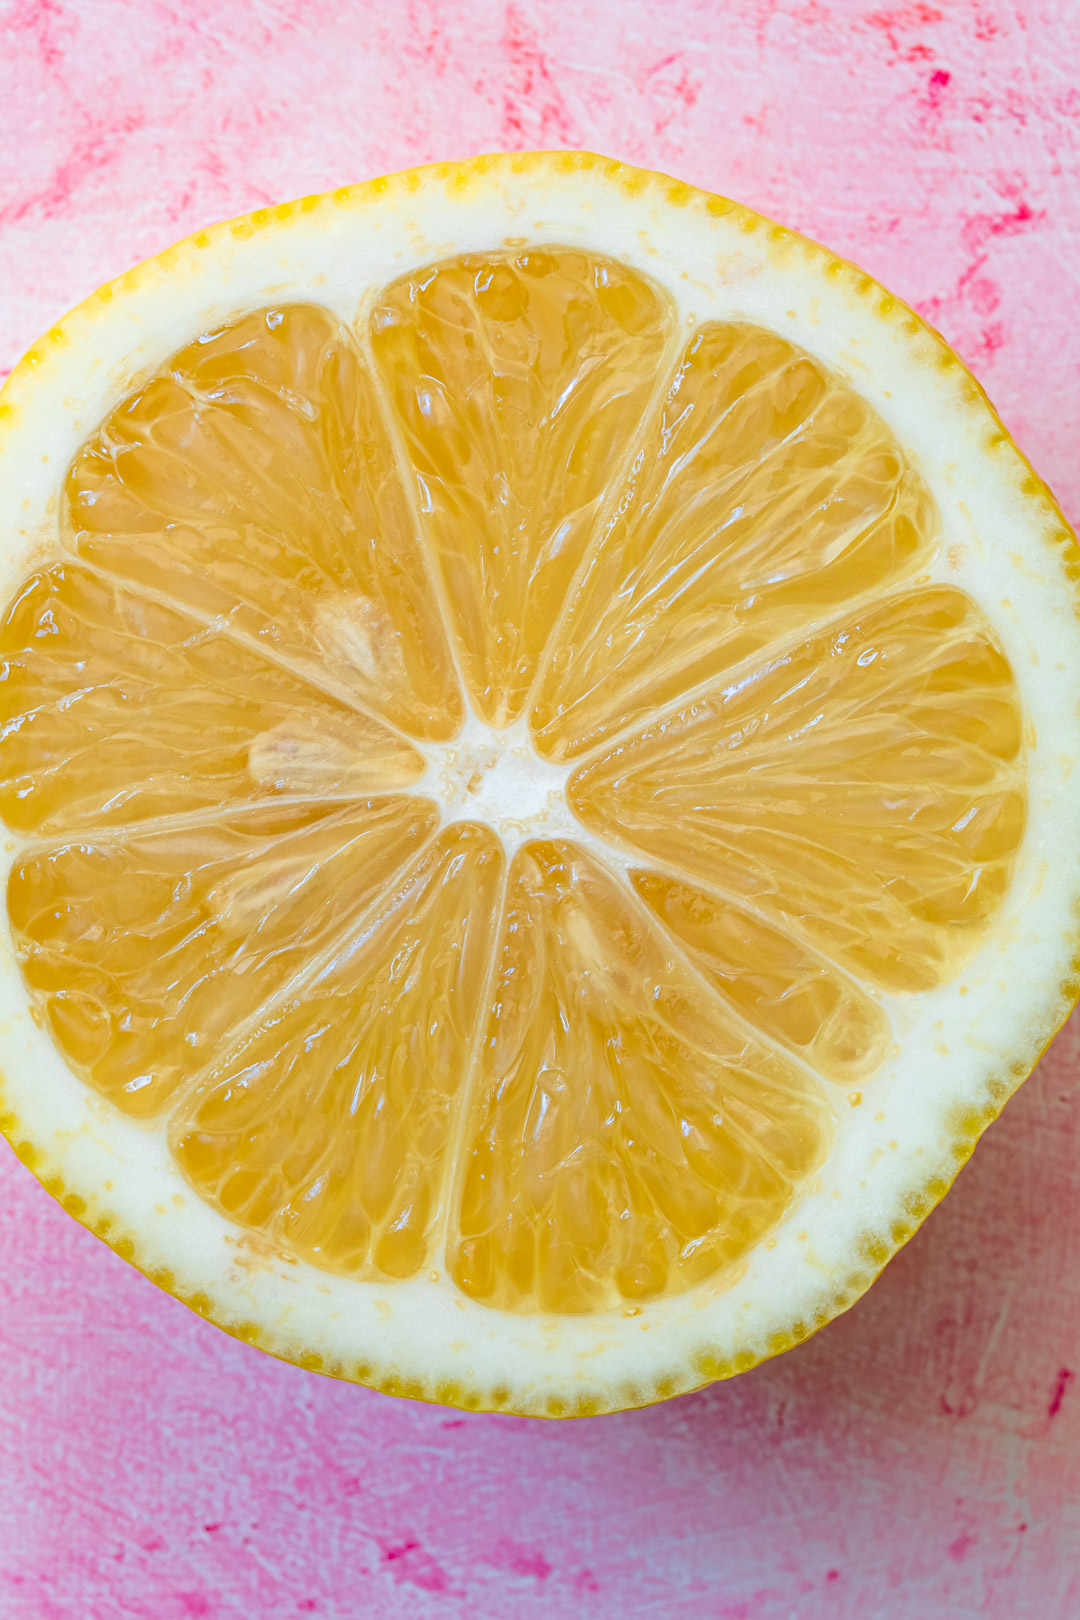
x=538 y=712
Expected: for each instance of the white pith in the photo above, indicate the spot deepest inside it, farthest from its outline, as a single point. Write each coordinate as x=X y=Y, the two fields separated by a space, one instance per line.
x=497 y=777
x=998 y=542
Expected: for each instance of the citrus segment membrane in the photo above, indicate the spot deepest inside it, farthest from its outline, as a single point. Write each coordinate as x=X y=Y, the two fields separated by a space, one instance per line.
x=686 y=571
x=326 y=1129
x=121 y=708
x=864 y=789
x=764 y=496
x=150 y=954
x=628 y=1136
x=253 y=480
x=792 y=995
x=518 y=382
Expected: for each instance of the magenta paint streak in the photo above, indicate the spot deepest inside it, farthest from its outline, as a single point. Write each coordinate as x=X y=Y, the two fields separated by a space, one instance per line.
x=1061 y=1384
x=921 y=1456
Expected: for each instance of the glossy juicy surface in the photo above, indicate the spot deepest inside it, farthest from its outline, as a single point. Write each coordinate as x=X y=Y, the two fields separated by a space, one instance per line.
x=518 y=383
x=629 y=1136
x=249 y=901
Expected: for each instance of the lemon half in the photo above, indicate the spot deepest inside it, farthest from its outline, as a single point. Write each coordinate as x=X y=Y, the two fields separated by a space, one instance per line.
x=538 y=719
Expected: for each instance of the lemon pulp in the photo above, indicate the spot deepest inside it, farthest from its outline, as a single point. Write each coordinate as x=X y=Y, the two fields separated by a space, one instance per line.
x=483 y=775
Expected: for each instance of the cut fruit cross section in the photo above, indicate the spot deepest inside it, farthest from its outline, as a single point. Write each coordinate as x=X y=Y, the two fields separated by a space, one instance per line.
x=534 y=770
x=634 y=1127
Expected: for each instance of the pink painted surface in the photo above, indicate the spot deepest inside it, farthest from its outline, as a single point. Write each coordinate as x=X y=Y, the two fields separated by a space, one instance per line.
x=920 y=1457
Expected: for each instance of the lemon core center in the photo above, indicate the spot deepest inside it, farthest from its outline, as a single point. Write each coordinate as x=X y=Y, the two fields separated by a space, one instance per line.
x=497 y=777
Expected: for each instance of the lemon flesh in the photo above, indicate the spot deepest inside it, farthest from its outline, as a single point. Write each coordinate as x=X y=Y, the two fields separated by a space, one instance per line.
x=491 y=779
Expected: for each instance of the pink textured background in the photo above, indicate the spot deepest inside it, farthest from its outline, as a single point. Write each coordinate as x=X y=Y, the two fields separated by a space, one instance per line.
x=920 y=1457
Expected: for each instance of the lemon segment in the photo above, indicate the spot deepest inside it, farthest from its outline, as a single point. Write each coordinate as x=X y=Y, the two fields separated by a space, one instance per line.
x=788 y=992
x=518 y=382
x=254 y=482
x=147 y=955
x=121 y=708
x=763 y=496
x=628 y=1138
x=326 y=1129
x=865 y=788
